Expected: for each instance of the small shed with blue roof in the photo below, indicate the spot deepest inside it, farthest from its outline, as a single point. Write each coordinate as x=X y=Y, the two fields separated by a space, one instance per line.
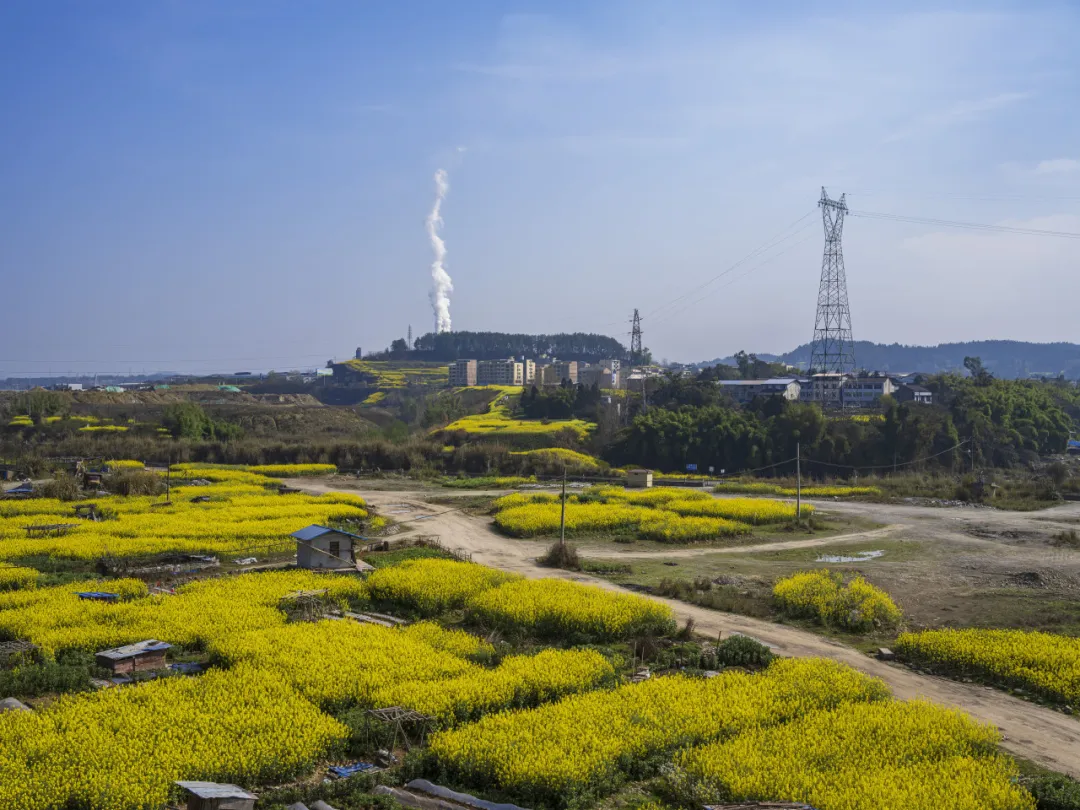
x=320 y=548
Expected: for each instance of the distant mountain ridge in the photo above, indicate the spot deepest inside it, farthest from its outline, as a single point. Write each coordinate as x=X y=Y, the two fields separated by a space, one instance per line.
x=1010 y=359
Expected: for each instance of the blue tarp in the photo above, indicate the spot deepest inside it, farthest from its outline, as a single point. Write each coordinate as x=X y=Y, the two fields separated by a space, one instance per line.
x=99 y=595
x=345 y=771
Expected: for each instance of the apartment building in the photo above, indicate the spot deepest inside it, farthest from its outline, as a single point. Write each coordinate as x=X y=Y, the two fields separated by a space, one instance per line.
x=500 y=372
x=463 y=373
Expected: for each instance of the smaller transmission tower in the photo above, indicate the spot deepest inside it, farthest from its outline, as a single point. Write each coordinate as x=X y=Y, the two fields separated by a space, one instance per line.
x=832 y=350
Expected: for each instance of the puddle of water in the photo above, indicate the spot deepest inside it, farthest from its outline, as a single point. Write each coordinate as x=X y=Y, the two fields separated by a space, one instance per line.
x=861 y=556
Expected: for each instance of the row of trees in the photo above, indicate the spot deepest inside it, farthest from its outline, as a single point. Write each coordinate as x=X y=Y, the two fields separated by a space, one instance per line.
x=1006 y=422
x=447 y=346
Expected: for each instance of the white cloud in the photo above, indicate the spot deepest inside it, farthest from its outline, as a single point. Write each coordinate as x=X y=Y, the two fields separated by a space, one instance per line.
x=1059 y=166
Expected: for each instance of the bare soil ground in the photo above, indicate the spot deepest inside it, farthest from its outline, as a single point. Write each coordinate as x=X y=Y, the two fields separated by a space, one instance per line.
x=956 y=566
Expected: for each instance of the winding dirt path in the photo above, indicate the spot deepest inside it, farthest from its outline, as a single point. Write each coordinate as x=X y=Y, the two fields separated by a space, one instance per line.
x=1045 y=736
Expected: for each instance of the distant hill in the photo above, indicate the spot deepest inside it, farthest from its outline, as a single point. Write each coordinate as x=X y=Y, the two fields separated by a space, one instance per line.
x=1009 y=359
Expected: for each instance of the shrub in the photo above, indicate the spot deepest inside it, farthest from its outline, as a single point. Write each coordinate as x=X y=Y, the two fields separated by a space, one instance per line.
x=743 y=651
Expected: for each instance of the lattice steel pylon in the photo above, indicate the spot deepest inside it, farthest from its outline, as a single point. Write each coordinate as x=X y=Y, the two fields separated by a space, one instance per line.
x=636 y=353
x=832 y=350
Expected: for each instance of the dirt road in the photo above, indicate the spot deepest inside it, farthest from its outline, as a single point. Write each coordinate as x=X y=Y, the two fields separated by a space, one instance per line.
x=1042 y=735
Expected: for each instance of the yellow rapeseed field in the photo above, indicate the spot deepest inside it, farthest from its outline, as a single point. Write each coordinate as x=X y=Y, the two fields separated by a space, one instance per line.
x=499 y=422
x=13 y=577
x=432 y=586
x=1043 y=662
x=242 y=518
x=666 y=514
x=557 y=608
x=583 y=743
x=823 y=596
x=122 y=748
x=861 y=756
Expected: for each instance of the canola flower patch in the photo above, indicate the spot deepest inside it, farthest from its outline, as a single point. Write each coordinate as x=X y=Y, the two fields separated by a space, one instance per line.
x=398 y=374
x=745 y=510
x=125 y=464
x=498 y=421
x=861 y=756
x=432 y=586
x=456 y=642
x=551 y=456
x=1042 y=662
x=242 y=518
x=202 y=614
x=823 y=491
x=823 y=596
x=586 y=744
x=665 y=514
x=557 y=608
x=122 y=748
x=532 y=520
x=670 y=527
x=14 y=578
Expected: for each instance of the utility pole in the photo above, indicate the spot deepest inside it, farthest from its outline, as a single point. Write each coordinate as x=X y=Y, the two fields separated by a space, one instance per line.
x=562 y=515
x=798 y=481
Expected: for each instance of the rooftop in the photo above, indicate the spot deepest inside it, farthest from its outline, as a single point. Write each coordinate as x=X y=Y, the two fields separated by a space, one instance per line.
x=214 y=790
x=131 y=650
x=770 y=381
x=315 y=530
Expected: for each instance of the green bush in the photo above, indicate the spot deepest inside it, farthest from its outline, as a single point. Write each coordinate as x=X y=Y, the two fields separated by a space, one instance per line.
x=742 y=651
x=1054 y=792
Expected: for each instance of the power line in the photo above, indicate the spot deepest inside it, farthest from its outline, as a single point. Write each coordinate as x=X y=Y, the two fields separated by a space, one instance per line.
x=668 y=316
x=764 y=248
x=889 y=466
x=968 y=225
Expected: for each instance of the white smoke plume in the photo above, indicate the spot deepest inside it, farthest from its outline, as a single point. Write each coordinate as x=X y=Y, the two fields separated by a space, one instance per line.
x=441 y=285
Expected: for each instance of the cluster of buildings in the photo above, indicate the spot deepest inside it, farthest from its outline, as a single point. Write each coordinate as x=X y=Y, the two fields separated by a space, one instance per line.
x=833 y=389
x=465 y=373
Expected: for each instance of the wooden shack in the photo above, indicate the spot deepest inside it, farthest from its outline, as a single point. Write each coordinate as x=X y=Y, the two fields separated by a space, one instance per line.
x=323 y=548
x=144 y=656
x=639 y=479
x=216 y=796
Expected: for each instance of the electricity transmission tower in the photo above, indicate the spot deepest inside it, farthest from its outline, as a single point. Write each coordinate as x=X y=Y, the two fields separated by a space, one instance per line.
x=832 y=350
x=636 y=354
x=637 y=357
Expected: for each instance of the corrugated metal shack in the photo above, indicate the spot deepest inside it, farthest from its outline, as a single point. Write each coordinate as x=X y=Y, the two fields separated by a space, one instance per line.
x=143 y=656
x=215 y=796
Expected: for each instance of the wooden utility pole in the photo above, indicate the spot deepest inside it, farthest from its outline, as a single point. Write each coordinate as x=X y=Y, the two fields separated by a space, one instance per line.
x=798 y=480
x=562 y=515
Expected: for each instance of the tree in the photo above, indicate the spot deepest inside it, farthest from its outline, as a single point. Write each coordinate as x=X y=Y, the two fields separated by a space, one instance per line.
x=399 y=349
x=744 y=362
x=978 y=372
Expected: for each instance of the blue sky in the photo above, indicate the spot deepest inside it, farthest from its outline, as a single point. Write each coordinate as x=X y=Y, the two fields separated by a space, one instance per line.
x=218 y=186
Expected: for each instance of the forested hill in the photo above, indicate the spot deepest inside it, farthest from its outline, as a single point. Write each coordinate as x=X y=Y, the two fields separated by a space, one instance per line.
x=1008 y=359
x=495 y=345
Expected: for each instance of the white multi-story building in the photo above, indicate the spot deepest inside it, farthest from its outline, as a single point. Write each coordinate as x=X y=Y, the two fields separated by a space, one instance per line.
x=745 y=390
x=864 y=392
x=499 y=372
